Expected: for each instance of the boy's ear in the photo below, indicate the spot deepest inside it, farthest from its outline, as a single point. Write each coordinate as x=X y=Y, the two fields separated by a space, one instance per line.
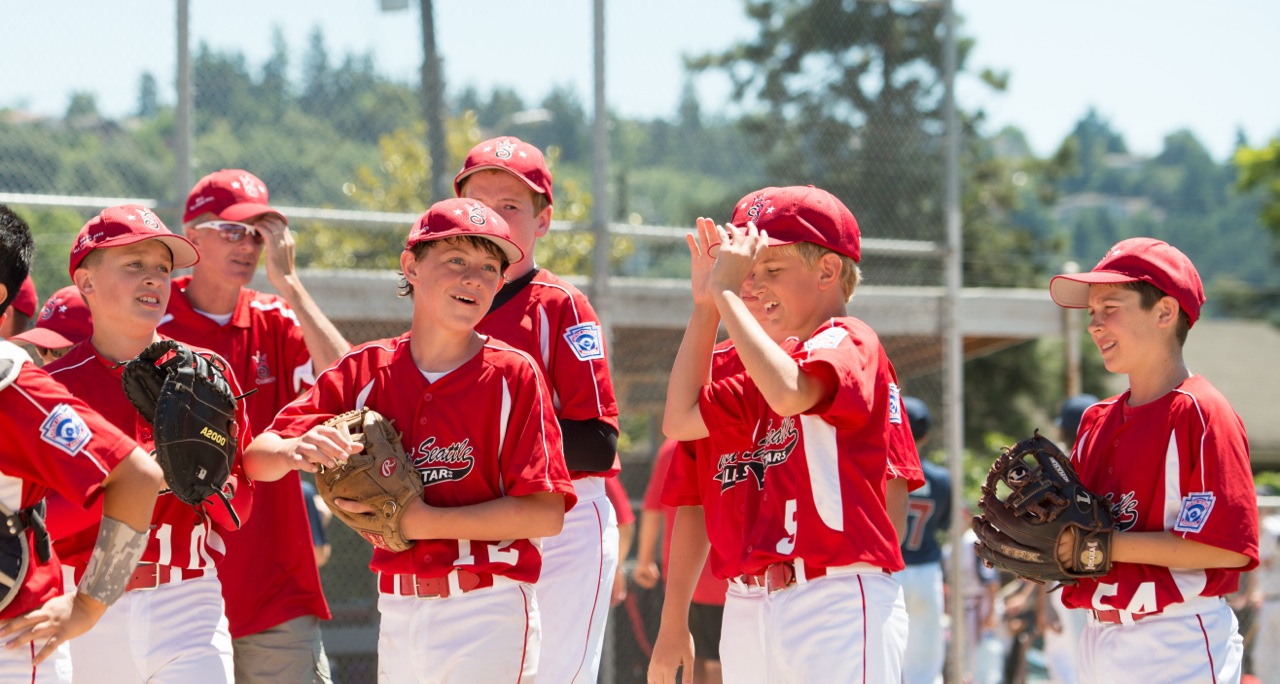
x=409 y=266
x=829 y=267
x=83 y=280
x=544 y=221
x=1167 y=309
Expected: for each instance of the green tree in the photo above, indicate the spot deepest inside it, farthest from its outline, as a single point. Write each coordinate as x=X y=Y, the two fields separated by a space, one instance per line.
x=1259 y=169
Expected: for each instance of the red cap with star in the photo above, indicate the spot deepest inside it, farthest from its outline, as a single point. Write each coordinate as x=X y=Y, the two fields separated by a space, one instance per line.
x=125 y=225
x=801 y=214
x=510 y=154
x=230 y=194
x=457 y=216
x=64 y=321
x=1140 y=259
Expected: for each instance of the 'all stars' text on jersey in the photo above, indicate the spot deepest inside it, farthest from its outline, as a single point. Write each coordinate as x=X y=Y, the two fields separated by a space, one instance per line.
x=771 y=450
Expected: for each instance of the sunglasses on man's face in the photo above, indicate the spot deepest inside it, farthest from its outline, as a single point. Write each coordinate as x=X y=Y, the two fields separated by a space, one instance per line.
x=231 y=231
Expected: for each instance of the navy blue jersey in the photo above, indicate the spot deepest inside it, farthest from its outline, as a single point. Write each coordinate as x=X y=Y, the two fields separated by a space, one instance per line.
x=928 y=512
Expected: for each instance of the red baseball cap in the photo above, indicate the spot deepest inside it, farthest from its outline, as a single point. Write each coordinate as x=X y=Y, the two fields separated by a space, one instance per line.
x=125 y=225
x=231 y=194
x=64 y=321
x=25 y=301
x=801 y=214
x=457 y=216
x=1137 y=259
x=512 y=155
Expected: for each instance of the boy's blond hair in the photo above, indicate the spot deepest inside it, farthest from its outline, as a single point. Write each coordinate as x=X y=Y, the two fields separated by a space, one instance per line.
x=811 y=254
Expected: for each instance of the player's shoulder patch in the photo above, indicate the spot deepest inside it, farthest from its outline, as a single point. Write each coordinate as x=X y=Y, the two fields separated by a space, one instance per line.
x=827 y=339
x=586 y=341
x=1196 y=507
x=895 y=404
x=65 y=429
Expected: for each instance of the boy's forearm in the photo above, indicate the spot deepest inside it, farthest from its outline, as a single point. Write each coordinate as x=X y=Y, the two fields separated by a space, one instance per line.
x=895 y=500
x=267 y=458
x=778 y=377
x=508 y=517
x=1167 y=549
x=691 y=371
x=647 y=537
x=130 y=490
x=689 y=547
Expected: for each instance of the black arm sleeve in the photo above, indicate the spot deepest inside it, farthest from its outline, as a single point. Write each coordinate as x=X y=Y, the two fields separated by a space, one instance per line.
x=589 y=445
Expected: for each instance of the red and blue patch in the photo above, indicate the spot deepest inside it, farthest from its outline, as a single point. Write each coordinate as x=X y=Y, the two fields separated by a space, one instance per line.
x=1196 y=507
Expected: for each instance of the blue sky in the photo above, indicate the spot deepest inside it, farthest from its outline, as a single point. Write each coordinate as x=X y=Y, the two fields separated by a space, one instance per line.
x=1149 y=66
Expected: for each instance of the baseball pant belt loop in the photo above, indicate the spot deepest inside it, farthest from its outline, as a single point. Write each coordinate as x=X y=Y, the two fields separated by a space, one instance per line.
x=1197 y=604
x=456 y=583
x=150 y=576
x=782 y=575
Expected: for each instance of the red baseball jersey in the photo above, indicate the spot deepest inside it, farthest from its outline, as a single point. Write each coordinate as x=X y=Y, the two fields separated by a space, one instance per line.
x=181 y=536
x=553 y=321
x=262 y=341
x=50 y=441
x=482 y=431
x=817 y=479
x=1181 y=464
x=709 y=591
x=264 y=345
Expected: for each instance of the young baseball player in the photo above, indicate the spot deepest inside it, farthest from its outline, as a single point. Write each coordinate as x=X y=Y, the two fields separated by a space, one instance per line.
x=270 y=580
x=1172 y=458
x=63 y=323
x=478 y=424
x=810 y=529
x=541 y=314
x=50 y=440
x=929 y=516
x=22 y=309
x=170 y=625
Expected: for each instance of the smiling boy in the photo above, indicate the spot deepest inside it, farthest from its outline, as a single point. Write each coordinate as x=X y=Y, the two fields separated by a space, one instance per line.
x=1172 y=458
x=477 y=421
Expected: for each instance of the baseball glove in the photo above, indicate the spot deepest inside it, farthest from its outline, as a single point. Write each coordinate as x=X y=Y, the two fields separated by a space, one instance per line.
x=186 y=398
x=380 y=476
x=1049 y=526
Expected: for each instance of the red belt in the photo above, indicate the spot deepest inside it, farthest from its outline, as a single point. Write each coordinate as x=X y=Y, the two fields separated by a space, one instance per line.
x=432 y=587
x=779 y=576
x=148 y=576
x=1112 y=617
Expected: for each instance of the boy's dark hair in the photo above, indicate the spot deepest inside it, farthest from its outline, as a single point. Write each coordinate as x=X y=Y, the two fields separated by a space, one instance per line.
x=17 y=249
x=1150 y=296
x=404 y=289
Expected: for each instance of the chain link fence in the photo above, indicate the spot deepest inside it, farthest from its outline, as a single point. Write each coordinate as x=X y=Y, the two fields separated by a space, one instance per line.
x=847 y=96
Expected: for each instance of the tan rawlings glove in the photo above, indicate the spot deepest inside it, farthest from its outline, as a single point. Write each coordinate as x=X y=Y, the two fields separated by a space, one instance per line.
x=380 y=477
